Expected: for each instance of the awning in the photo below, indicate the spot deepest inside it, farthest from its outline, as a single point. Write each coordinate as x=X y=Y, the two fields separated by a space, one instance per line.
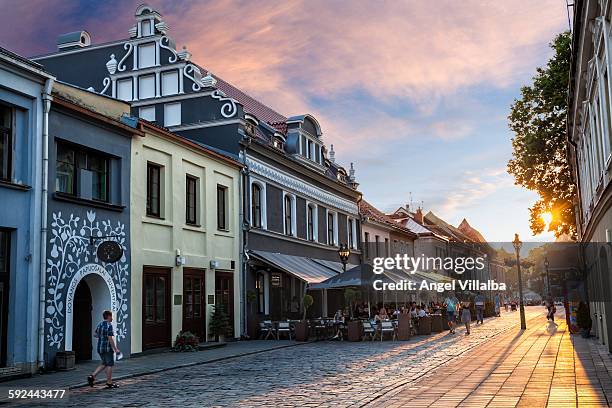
x=434 y=277
x=355 y=277
x=301 y=267
x=336 y=266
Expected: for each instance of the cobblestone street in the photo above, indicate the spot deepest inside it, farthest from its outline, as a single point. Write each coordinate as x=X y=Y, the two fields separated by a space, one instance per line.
x=493 y=366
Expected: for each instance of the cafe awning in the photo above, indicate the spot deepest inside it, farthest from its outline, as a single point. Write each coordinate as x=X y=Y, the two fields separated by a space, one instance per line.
x=336 y=266
x=301 y=267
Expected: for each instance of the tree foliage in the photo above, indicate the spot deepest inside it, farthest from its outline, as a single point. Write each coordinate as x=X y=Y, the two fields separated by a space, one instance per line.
x=540 y=161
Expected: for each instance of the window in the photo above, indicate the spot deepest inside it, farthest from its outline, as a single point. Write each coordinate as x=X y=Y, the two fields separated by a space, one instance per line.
x=377 y=244
x=146 y=55
x=153 y=190
x=146 y=28
x=81 y=172
x=172 y=114
x=6 y=143
x=191 y=200
x=256 y=206
x=366 y=247
x=351 y=240
x=288 y=206
x=124 y=89
x=387 y=247
x=310 y=222
x=222 y=208
x=170 y=83
x=146 y=87
x=147 y=113
x=331 y=233
x=259 y=286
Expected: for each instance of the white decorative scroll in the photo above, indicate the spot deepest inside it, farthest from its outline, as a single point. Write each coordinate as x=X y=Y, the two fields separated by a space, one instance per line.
x=174 y=57
x=129 y=47
x=106 y=82
x=195 y=78
x=229 y=108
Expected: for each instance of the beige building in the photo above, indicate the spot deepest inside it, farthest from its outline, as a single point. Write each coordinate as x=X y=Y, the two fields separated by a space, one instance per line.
x=185 y=201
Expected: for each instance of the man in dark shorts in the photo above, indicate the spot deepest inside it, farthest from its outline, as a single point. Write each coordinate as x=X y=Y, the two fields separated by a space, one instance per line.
x=106 y=349
x=451 y=308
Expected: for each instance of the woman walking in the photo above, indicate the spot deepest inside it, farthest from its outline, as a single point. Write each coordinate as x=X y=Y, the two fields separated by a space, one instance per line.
x=466 y=316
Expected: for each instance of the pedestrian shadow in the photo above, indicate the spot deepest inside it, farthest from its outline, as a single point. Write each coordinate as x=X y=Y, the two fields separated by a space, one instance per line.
x=551 y=328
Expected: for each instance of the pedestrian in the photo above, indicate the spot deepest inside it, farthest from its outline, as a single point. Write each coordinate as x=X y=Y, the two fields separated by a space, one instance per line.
x=466 y=316
x=551 y=311
x=497 y=305
x=451 y=308
x=506 y=303
x=107 y=348
x=479 y=302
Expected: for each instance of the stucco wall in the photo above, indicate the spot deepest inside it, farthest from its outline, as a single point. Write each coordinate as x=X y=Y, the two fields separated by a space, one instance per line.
x=156 y=241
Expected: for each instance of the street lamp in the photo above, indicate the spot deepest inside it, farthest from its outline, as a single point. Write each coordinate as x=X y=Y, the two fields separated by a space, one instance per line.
x=344 y=252
x=517 y=247
x=546 y=263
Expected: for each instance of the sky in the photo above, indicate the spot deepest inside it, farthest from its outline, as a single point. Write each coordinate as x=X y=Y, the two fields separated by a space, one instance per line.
x=415 y=93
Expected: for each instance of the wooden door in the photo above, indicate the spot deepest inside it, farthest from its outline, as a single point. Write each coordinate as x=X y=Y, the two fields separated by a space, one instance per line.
x=194 y=305
x=81 y=343
x=224 y=295
x=155 y=308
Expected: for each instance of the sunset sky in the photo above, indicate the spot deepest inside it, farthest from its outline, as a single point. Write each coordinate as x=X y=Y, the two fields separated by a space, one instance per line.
x=415 y=93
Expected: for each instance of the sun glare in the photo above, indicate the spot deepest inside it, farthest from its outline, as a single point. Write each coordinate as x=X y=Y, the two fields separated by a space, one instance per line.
x=547 y=217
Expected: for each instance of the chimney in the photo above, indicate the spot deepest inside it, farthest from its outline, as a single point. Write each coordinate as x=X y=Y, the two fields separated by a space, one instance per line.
x=418 y=216
x=73 y=40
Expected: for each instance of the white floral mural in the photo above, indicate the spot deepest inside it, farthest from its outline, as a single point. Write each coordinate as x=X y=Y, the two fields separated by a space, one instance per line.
x=71 y=250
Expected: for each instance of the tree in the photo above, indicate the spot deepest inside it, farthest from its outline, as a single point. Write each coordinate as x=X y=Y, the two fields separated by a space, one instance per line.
x=540 y=161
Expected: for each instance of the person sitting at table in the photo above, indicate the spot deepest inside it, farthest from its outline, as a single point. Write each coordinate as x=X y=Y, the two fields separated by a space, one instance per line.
x=413 y=311
x=339 y=316
x=383 y=313
x=421 y=312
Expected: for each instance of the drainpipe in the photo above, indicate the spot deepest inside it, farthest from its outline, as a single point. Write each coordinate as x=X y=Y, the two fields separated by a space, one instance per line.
x=245 y=223
x=47 y=98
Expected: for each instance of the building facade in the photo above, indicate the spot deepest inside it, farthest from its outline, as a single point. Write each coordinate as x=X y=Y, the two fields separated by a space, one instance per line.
x=88 y=206
x=298 y=205
x=185 y=238
x=24 y=95
x=590 y=152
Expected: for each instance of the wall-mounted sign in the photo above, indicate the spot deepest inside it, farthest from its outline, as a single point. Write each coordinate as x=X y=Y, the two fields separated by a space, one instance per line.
x=276 y=280
x=109 y=251
x=211 y=299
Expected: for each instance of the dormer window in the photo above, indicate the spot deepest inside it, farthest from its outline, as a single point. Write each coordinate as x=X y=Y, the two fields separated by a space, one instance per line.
x=278 y=144
x=249 y=129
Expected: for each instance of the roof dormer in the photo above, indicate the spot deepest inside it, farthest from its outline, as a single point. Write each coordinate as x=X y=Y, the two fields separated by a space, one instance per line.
x=304 y=140
x=148 y=22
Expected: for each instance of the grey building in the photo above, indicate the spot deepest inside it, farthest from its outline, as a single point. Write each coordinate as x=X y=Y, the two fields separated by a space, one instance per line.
x=299 y=204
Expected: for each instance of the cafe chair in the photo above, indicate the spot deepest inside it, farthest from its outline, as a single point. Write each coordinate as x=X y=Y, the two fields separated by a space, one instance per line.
x=368 y=330
x=387 y=327
x=283 y=328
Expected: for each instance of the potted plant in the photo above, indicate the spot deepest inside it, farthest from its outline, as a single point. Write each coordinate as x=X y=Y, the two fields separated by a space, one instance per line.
x=186 y=341
x=583 y=319
x=301 y=328
x=219 y=323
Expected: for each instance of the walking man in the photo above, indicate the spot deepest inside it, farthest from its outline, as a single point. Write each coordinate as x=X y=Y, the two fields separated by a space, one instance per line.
x=106 y=349
x=451 y=309
x=479 y=302
x=466 y=316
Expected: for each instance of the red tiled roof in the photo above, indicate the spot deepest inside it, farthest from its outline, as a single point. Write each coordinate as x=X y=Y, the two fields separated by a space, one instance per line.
x=372 y=212
x=251 y=105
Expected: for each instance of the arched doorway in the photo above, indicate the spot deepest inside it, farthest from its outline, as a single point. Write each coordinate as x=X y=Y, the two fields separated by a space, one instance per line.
x=82 y=342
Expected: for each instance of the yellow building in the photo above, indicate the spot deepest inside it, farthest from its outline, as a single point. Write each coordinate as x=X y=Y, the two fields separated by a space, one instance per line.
x=185 y=238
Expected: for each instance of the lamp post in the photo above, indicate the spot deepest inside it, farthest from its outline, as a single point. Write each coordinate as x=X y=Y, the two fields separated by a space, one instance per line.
x=517 y=247
x=344 y=252
x=546 y=264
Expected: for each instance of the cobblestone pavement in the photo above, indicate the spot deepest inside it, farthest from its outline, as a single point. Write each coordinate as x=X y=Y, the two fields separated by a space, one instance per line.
x=327 y=373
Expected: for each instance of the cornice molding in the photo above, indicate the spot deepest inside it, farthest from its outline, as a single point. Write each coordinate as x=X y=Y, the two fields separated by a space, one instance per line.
x=301 y=187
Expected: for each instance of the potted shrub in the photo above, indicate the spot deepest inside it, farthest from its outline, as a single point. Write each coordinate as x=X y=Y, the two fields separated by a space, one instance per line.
x=583 y=319
x=219 y=323
x=186 y=341
x=301 y=328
